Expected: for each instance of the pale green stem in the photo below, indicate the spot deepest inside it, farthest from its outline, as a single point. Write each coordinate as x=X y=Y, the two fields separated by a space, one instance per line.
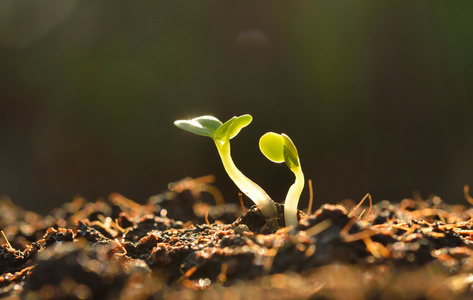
x=292 y=198
x=248 y=187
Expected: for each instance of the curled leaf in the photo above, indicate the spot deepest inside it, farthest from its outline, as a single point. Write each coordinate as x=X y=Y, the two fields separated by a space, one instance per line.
x=291 y=156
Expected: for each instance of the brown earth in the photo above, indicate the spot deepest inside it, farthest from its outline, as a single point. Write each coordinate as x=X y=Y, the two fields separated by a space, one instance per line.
x=177 y=246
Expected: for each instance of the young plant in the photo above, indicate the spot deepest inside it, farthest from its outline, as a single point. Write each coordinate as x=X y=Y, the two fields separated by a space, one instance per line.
x=221 y=133
x=280 y=148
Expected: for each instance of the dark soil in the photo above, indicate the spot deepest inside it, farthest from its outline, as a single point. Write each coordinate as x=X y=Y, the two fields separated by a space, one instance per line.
x=177 y=246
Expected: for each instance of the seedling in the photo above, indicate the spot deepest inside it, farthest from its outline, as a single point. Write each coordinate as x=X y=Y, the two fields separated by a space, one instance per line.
x=221 y=133
x=280 y=148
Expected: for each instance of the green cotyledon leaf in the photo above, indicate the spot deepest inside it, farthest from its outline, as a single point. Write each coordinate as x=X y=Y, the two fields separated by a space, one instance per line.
x=272 y=146
x=232 y=127
x=279 y=148
x=204 y=125
x=291 y=156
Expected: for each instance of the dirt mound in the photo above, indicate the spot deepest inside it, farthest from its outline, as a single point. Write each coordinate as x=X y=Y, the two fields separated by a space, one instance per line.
x=176 y=246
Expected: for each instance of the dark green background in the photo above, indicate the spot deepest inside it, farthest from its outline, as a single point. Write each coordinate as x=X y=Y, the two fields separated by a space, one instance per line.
x=377 y=96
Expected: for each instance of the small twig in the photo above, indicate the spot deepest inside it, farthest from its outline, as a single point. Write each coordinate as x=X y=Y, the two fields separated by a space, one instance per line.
x=368 y=215
x=198 y=185
x=121 y=229
x=359 y=235
x=316 y=229
x=344 y=231
x=6 y=240
x=222 y=277
x=359 y=204
x=441 y=217
x=362 y=213
x=189 y=272
x=371 y=206
x=311 y=197
x=376 y=249
x=466 y=192
x=124 y=202
x=241 y=203
x=207 y=218
x=215 y=192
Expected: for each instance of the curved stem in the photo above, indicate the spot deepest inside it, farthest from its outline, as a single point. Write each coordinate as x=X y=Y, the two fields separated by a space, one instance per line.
x=248 y=187
x=292 y=198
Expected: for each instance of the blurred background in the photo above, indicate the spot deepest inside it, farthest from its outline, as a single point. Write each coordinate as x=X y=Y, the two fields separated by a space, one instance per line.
x=377 y=96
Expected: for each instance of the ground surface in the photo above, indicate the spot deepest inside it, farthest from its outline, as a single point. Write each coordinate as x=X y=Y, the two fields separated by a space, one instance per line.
x=179 y=247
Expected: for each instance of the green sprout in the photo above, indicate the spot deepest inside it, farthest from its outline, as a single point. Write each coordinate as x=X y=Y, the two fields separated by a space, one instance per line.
x=280 y=148
x=221 y=134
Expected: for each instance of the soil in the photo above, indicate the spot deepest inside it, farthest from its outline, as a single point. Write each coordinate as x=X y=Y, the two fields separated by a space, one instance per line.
x=178 y=246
